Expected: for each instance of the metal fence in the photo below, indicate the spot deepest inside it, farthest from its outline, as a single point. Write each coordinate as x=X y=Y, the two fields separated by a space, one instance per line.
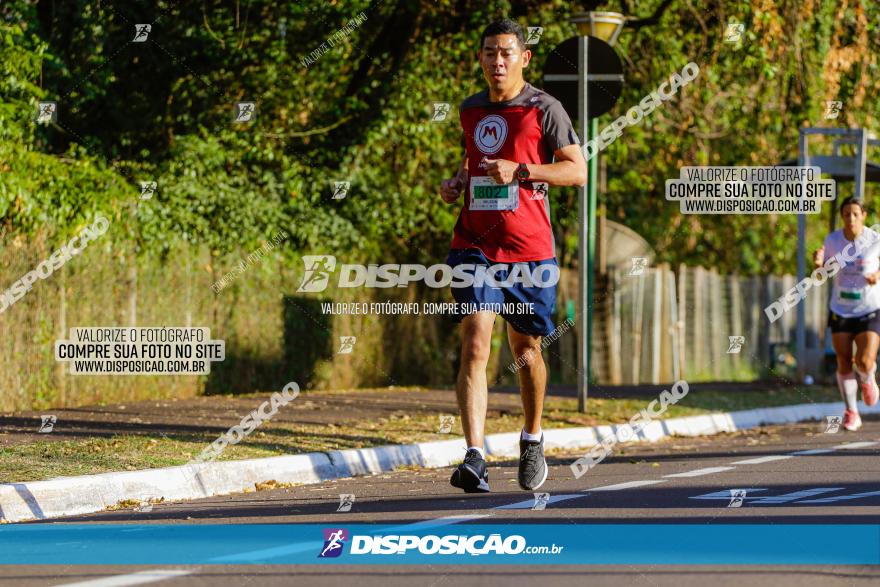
x=664 y=325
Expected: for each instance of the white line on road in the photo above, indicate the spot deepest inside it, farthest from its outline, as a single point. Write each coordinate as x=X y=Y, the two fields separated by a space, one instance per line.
x=529 y=504
x=140 y=578
x=627 y=485
x=814 y=451
x=850 y=445
x=727 y=494
x=760 y=460
x=841 y=497
x=793 y=496
x=700 y=472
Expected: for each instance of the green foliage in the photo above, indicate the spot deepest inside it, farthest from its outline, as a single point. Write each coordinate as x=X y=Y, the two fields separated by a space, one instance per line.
x=361 y=112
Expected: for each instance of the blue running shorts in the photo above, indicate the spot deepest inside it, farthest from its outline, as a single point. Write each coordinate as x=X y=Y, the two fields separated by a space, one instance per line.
x=528 y=308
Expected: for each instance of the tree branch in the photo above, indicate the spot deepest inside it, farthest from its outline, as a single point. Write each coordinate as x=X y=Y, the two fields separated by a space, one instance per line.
x=651 y=20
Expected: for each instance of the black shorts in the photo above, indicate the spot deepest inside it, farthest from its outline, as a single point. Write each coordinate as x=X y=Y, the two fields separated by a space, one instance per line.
x=857 y=325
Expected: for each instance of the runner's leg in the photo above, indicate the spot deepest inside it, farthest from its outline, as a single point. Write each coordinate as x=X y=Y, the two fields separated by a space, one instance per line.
x=842 y=342
x=846 y=379
x=866 y=351
x=532 y=376
x=471 y=387
x=866 y=364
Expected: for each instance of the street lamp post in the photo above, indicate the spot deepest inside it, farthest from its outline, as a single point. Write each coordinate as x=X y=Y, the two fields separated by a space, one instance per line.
x=605 y=26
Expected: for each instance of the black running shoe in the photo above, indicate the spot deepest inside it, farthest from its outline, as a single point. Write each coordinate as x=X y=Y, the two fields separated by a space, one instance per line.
x=472 y=475
x=532 y=466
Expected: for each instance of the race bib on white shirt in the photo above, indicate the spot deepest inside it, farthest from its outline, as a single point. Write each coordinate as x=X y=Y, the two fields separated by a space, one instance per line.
x=851 y=294
x=488 y=195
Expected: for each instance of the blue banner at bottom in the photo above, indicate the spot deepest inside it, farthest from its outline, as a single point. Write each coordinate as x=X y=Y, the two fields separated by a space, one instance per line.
x=485 y=544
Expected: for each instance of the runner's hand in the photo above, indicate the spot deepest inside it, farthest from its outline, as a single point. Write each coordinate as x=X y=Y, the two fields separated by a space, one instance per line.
x=450 y=189
x=819 y=257
x=872 y=277
x=501 y=170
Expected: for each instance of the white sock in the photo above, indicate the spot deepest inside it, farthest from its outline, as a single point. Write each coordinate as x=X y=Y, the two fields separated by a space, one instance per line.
x=533 y=437
x=849 y=390
x=479 y=450
x=865 y=377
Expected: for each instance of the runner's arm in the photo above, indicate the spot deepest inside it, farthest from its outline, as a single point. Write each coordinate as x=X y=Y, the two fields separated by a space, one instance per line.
x=450 y=189
x=569 y=168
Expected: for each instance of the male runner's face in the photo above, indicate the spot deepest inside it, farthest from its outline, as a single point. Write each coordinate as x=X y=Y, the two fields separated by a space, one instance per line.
x=502 y=61
x=853 y=216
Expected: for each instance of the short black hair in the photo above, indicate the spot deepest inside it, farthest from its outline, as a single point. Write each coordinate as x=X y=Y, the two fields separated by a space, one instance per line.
x=853 y=200
x=505 y=26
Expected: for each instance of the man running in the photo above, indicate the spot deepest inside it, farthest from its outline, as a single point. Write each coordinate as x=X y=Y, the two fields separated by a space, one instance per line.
x=517 y=140
x=854 y=309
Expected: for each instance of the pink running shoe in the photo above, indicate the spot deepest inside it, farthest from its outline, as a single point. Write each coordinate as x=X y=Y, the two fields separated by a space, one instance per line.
x=851 y=420
x=870 y=392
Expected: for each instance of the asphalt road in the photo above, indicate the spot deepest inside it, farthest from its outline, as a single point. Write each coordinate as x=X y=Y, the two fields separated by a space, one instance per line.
x=790 y=474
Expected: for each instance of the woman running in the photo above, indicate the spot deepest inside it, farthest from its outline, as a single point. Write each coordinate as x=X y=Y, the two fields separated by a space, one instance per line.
x=854 y=308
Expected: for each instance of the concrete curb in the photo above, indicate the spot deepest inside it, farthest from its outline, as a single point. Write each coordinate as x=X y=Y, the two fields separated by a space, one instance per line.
x=68 y=496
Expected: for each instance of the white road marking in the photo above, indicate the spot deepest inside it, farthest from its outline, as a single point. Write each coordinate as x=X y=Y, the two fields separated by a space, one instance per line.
x=814 y=451
x=842 y=497
x=850 y=445
x=140 y=578
x=760 y=460
x=726 y=495
x=627 y=485
x=527 y=505
x=700 y=472
x=774 y=499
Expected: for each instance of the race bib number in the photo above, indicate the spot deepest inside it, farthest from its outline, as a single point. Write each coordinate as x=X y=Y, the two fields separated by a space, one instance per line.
x=849 y=297
x=488 y=195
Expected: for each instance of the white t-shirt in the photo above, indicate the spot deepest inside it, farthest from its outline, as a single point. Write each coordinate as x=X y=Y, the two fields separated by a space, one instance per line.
x=851 y=295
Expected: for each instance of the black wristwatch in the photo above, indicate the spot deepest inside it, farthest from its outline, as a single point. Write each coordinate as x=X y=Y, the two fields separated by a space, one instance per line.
x=522 y=172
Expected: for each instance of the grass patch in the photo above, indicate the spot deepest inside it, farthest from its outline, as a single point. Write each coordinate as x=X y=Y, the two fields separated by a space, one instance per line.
x=127 y=452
